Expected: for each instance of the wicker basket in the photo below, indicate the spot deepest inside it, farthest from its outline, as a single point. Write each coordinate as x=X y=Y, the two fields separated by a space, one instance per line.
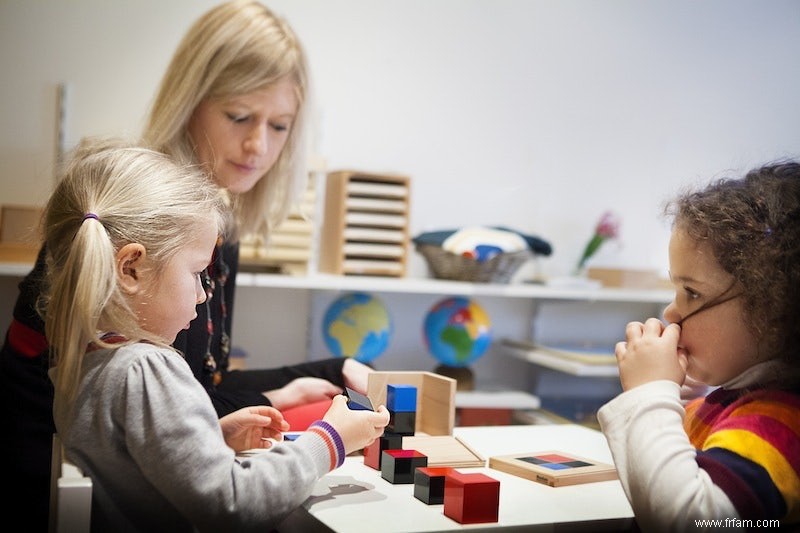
x=447 y=265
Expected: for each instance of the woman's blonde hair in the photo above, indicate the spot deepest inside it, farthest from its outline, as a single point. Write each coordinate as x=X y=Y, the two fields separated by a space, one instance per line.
x=234 y=49
x=111 y=194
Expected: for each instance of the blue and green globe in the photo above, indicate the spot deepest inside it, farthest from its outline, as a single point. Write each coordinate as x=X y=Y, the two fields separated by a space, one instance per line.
x=457 y=331
x=357 y=325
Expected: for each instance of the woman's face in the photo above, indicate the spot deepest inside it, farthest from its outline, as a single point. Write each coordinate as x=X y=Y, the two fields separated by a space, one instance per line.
x=242 y=137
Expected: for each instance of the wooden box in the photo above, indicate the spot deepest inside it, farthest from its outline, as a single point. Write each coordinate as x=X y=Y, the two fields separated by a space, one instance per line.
x=19 y=233
x=627 y=278
x=436 y=398
x=365 y=230
x=554 y=468
x=288 y=249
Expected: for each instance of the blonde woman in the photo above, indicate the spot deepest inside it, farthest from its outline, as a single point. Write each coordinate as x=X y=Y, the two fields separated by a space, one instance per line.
x=235 y=100
x=128 y=235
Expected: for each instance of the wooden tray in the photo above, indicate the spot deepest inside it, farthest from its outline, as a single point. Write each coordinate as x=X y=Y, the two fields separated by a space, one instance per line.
x=554 y=468
x=444 y=450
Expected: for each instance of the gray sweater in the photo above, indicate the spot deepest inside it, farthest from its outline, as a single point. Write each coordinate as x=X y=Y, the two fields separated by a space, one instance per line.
x=144 y=430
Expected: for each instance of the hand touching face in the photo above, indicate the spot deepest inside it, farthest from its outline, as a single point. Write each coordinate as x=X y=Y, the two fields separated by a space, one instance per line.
x=649 y=353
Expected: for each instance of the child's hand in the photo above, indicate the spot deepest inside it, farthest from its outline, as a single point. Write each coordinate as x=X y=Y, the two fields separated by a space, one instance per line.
x=357 y=428
x=301 y=391
x=650 y=353
x=249 y=427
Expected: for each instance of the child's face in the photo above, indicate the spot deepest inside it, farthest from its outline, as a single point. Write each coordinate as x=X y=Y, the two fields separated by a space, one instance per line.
x=241 y=138
x=716 y=340
x=169 y=302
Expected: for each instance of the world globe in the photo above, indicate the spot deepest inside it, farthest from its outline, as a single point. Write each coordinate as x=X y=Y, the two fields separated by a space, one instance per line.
x=457 y=331
x=357 y=325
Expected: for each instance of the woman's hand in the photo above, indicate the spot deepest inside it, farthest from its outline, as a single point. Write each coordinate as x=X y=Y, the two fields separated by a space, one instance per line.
x=250 y=427
x=302 y=391
x=355 y=375
x=650 y=353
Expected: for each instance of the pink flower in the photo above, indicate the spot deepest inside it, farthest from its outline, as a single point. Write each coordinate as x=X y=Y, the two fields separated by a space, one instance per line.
x=607 y=228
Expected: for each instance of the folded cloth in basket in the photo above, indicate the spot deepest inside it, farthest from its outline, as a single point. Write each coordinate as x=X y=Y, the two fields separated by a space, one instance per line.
x=504 y=238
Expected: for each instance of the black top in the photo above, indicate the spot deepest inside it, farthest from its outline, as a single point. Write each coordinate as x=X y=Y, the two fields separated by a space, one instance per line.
x=238 y=388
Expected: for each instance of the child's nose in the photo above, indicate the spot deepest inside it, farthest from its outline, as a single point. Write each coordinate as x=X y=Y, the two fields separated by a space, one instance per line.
x=671 y=314
x=200 y=291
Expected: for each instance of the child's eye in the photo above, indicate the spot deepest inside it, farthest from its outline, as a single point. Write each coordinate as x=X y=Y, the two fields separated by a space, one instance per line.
x=691 y=294
x=280 y=127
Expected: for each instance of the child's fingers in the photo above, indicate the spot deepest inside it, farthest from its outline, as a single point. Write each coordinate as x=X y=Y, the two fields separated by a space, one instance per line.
x=634 y=330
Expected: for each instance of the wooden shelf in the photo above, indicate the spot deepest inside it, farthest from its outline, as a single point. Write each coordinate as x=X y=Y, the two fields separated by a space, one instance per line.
x=333 y=282
x=13 y=268
x=561 y=364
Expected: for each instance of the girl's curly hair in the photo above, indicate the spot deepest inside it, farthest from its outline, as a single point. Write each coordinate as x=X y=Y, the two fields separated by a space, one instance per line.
x=753 y=227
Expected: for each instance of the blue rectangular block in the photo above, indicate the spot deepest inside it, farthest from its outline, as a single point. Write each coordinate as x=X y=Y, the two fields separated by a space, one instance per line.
x=401 y=398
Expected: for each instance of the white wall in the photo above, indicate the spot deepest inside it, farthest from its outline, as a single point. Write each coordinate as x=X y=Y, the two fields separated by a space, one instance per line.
x=534 y=114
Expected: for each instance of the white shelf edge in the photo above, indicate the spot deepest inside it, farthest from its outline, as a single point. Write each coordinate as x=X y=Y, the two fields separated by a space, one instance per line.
x=15 y=269
x=576 y=368
x=332 y=282
x=497 y=399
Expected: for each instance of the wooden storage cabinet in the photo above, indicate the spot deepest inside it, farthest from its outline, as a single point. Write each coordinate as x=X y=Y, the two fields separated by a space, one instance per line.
x=288 y=249
x=19 y=237
x=365 y=229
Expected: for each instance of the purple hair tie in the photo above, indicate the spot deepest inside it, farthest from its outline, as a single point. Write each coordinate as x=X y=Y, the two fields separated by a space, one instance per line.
x=90 y=215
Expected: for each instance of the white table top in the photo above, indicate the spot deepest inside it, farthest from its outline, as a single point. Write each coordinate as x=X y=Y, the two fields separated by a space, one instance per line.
x=355 y=498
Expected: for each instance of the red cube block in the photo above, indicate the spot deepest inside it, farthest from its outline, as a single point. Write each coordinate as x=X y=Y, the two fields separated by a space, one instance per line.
x=471 y=498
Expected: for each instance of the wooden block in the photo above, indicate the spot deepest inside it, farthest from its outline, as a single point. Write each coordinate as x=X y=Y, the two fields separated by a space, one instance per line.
x=471 y=498
x=374 y=452
x=401 y=398
x=429 y=484
x=554 y=468
x=435 y=398
x=398 y=466
x=357 y=401
x=402 y=423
